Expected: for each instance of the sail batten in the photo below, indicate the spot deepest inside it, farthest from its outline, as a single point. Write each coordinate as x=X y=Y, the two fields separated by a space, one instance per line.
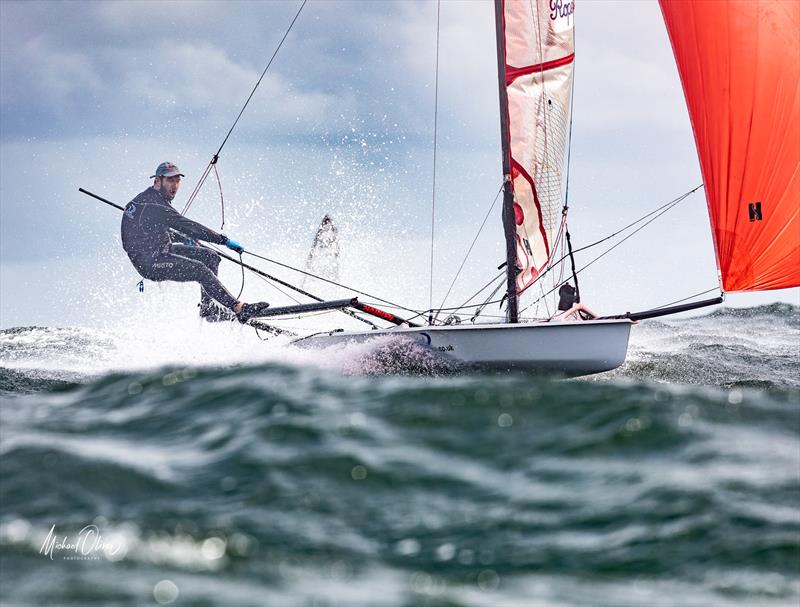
x=739 y=63
x=512 y=73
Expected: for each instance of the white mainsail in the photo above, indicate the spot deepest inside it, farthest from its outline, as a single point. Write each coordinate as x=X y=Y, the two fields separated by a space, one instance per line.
x=539 y=57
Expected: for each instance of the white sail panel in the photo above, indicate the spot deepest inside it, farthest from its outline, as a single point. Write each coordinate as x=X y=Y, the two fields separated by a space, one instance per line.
x=539 y=47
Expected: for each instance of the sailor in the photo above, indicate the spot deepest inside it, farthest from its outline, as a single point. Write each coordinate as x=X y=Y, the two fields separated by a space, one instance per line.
x=147 y=239
x=570 y=307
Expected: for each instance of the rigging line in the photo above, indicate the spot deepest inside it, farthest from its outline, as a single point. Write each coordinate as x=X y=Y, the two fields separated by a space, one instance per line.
x=197 y=187
x=480 y=308
x=480 y=229
x=478 y=292
x=672 y=202
x=343 y=311
x=221 y=198
x=242 y=289
x=235 y=122
x=685 y=298
x=544 y=300
x=265 y=280
x=464 y=306
x=566 y=187
x=607 y=251
x=639 y=229
x=435 y=126
x=486 y=302
x=669 y=204
x=336 y=284
x=278 y=289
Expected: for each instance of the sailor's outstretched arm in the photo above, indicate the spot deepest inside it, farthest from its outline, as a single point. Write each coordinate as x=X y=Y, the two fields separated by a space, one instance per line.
x=195 y=230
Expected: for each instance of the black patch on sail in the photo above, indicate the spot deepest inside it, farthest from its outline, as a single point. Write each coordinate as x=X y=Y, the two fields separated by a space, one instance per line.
x=527 y=246
x=754 y=211
x=323 y=258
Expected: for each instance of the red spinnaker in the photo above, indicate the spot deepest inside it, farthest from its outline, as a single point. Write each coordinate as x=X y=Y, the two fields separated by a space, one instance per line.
x=739 y=62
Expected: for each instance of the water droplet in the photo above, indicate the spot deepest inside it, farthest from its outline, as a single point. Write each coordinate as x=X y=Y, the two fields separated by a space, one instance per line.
x=358 y=420
x=486 y=557
x=213 y=548
x=339 y=570
x=407 y=547
x=17 y=530
x=421 y=582
x=445 y=552
x=735 y=397
x=241 y=544
x=359 y=473
x=634 y=424
x=488 y=580
x=504 y=420
x=481 y=396
x=165 y=592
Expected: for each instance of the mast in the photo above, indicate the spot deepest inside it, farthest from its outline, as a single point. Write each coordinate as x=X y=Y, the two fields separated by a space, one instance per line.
x=509 y=224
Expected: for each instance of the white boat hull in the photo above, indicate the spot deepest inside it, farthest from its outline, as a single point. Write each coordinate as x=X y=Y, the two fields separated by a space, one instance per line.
x=568 y=348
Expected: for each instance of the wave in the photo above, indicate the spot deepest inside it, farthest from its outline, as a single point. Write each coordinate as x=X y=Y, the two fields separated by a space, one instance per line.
x=719 y=349
x=777 y=310
x=462 y=490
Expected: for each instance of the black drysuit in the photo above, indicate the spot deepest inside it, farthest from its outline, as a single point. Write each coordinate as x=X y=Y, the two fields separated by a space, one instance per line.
x=146 y=226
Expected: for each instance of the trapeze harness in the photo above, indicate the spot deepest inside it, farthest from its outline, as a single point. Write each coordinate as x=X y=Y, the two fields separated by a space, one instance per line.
x=146 y=225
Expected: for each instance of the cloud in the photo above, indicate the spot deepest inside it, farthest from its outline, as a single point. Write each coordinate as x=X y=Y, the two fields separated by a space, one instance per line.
x=42 y=75
x=112 y=79
x=467 y=65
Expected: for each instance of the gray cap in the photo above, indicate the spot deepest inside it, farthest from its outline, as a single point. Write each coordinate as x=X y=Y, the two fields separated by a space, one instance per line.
x=167 y=169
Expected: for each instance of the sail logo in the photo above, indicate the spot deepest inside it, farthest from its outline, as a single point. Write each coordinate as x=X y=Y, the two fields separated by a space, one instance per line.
x=527 y=246
x=754 y=211
x=561 y=12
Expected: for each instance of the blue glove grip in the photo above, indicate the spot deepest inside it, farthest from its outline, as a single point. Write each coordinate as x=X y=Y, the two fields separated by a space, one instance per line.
x=232 y=244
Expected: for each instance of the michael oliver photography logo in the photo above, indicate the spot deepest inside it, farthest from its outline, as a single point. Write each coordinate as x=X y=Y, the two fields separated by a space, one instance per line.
x=87 y=545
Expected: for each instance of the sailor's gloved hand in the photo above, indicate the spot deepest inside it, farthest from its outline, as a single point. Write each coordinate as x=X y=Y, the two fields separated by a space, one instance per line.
x=235 y=246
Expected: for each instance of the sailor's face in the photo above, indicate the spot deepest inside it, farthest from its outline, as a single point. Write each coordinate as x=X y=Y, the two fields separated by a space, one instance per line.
x=169 y=186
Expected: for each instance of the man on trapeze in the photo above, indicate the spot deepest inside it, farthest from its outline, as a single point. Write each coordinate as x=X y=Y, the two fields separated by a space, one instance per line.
x=146 y=238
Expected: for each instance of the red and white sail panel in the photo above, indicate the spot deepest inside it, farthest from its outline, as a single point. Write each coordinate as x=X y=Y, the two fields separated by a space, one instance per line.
x=539 y=56
x=739 y=62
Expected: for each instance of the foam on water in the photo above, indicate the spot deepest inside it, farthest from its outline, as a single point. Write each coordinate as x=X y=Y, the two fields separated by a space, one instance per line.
x=753 y=347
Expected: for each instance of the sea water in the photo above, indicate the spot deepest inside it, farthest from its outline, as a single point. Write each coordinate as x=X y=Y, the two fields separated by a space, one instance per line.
x=197 y=465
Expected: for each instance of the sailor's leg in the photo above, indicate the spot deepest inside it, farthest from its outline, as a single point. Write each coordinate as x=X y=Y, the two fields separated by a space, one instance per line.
x=206 y=256
x=183 y=269
x=211 y=260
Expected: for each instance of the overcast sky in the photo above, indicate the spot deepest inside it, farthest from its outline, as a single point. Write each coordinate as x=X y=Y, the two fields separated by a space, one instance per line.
x=96 y=94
